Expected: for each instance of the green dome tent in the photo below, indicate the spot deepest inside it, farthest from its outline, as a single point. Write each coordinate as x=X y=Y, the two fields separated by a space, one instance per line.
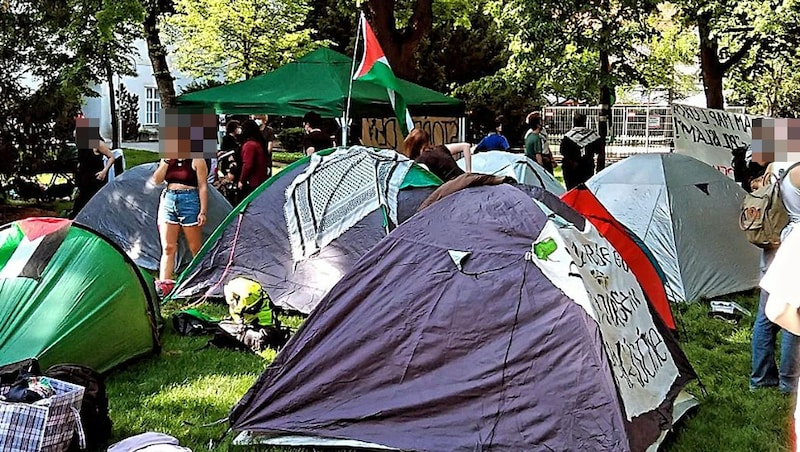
x=69 y=295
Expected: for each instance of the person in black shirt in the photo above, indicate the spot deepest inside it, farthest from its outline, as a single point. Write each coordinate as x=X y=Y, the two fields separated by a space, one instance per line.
x=578 y=148
x=91 y=174
x=229 y=162
x=315 y=139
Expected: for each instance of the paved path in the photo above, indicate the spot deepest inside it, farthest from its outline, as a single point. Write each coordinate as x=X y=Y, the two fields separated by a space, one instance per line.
x=151 y=146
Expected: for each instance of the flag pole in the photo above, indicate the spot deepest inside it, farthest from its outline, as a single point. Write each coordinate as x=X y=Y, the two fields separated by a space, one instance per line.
x=346 y=124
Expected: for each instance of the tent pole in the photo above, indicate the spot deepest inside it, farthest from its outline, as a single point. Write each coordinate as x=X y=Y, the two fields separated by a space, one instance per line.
x=345 y=126
x=350 y=87
x=462 y=129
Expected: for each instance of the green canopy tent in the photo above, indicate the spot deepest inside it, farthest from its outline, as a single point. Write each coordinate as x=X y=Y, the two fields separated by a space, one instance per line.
x=69 y=295
x=318 y=82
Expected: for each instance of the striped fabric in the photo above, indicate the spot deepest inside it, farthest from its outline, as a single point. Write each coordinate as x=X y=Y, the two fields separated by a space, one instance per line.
x=44 y=426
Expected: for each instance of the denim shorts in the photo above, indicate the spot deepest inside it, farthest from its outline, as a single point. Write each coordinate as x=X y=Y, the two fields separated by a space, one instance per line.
x=179 y=207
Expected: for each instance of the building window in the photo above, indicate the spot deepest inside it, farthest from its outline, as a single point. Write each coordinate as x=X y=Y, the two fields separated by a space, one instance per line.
x=153 y=102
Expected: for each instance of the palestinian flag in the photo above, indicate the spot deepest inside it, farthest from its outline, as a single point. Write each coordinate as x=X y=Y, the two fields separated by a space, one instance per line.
x=375 y=68
x=27 y=246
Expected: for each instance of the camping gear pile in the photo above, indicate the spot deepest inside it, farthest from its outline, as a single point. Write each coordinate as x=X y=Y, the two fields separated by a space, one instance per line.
x=46 y=424
x=254 y=320
x=76 y=402
x=496 y=334
x=46 y=412
x=253 y=323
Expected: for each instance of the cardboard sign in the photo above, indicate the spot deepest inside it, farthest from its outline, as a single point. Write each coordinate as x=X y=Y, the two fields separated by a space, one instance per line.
x=385 y=133
x=710 y=135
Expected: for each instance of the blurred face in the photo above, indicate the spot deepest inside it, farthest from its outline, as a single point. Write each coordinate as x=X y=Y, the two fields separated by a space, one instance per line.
x=188 y=135
x=87 y=133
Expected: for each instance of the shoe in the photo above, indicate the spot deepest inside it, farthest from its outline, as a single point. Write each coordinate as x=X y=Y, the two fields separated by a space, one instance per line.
x=164 y=287
x=763 y=386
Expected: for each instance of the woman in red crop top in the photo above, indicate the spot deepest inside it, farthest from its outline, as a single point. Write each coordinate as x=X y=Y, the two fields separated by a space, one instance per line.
x=182 y=208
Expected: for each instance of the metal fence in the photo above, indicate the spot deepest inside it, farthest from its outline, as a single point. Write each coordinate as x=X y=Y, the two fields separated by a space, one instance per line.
x=634 y=129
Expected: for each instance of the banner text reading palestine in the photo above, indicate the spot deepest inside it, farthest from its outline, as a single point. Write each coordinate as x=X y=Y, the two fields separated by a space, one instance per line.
x=708 y=127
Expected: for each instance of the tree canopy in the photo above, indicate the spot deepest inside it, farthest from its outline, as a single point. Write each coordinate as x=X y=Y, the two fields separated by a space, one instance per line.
x=51 y=52
x=236 y=39
x=504 y=57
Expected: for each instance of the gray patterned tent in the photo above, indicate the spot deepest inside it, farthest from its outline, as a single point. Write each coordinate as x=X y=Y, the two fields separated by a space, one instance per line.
x=305 y=227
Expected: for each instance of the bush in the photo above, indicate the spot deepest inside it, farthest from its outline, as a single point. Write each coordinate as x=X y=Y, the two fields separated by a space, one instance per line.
x=287 y=157
x=291 y=139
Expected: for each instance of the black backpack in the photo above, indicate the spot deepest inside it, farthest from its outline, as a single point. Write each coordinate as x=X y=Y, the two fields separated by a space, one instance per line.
x=94 y=409
x=11 y=373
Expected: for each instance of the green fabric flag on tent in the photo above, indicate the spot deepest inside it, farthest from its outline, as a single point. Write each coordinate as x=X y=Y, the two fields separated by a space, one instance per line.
x=375 y=68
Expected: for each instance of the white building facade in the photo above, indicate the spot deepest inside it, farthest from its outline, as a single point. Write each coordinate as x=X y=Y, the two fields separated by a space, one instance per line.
x=143 y=85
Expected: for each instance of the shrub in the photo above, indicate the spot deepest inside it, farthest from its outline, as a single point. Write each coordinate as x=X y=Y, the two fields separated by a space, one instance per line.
x=287 y=157
x=291 y=139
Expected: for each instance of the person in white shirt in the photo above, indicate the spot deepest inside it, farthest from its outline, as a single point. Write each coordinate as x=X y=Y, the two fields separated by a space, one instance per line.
x=780 y=280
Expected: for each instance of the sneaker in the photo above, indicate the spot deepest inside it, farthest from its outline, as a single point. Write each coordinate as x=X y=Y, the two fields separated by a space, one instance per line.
x=756 y=388
x=164 y=287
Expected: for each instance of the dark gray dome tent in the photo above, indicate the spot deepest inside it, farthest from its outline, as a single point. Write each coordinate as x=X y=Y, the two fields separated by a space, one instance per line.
x=305 y=227
x=484 y=322
x=126 y=211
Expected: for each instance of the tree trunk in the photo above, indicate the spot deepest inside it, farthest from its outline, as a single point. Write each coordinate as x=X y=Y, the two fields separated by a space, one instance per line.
x=711 y=67
x=158 y=58
x=400 y=46
x=112 y=99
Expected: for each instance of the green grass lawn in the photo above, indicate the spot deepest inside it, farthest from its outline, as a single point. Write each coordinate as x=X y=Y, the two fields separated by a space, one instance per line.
x=187 y=386
x=134 y=157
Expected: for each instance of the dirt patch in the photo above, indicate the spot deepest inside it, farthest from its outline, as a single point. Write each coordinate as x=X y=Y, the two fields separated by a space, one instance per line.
x=14 y=213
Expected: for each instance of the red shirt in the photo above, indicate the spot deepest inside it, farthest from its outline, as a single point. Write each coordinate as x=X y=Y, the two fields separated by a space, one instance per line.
x=254 y=164
x=180 y=171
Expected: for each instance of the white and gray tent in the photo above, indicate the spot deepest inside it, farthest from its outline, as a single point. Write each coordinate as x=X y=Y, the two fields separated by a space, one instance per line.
x=517 y=166
x=687 y=214
x=126 y=211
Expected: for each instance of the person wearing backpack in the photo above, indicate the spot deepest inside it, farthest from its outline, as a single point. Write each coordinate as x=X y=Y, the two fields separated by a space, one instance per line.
x=764 y=371
x=578 y=149
x=780 y=281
